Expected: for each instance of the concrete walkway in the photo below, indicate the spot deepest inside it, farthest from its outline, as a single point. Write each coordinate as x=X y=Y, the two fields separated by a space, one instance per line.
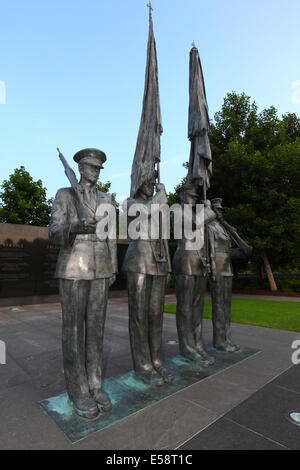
x=34 y=371
x=171 y=298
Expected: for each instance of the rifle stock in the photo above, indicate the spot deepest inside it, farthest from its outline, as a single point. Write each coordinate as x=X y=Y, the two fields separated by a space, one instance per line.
x=70 y=174
x=247 y=249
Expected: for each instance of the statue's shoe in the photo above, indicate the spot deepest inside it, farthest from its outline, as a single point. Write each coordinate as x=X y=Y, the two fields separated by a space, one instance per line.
x=86 y=407
x=101 y=397
x=165 y=374
x=196 y=357
x=150 y=377
x=227 y=347
x=232 y=347
x=209 y=360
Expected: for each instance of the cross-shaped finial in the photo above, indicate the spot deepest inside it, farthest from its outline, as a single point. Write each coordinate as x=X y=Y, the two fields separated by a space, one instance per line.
x=150 y=7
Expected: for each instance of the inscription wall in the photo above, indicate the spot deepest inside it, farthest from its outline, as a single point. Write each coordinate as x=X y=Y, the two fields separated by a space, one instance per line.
x=28 y=268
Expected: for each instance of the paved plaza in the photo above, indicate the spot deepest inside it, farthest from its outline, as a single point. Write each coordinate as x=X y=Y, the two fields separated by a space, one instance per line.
x=242 y=407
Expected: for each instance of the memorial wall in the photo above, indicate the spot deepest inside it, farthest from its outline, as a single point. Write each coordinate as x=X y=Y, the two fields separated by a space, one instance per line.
x=28 y=261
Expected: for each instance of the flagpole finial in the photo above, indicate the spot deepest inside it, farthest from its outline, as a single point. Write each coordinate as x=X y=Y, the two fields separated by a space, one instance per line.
x=150 y=8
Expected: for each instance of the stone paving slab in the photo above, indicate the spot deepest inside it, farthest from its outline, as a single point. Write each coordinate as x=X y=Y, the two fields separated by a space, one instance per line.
x=160 y=427
x=260 y=422
x=266 y=411
x=227 y=435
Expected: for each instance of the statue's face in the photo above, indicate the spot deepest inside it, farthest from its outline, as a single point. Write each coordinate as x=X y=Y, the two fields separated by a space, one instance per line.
x=218 y=210
x=147 y=188
x=89 y=172
x=188 y=198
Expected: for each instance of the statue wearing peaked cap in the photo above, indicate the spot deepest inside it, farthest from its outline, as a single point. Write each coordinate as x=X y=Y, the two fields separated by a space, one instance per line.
x=220 y=234
x=86 y=267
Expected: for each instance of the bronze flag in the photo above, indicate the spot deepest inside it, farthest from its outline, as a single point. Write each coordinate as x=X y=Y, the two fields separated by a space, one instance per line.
x=200 y=162
x=147 y=152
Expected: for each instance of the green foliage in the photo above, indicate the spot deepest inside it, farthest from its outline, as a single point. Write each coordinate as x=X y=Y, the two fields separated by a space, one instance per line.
x=104 y=187
x=288 y=285
x=24 y=201
x=267 y=313
x=256 y=170
x=173 y=198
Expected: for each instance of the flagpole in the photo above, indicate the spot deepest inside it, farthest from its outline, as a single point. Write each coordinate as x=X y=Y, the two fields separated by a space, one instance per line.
x=149 y=5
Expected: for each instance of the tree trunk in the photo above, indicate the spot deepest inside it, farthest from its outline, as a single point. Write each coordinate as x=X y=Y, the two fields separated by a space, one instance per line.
x=269 y=273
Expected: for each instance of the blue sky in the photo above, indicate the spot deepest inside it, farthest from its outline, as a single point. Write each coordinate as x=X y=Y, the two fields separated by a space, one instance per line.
x=74 y=75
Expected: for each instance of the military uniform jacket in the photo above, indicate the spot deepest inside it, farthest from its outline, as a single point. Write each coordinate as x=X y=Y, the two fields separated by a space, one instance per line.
x=83 y=256
x=219 y=244
x=142 y=256
x=190 y=262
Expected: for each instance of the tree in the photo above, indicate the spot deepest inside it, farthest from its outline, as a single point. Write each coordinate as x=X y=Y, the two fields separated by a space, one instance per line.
x=104 y=187
x=256 y=170
x=24 y=201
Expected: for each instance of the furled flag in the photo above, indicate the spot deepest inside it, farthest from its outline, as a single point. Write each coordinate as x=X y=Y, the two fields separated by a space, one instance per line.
x=147 y=152
x=200 y=162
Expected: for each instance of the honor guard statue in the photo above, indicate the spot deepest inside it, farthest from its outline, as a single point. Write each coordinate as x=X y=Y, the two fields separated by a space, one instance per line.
x=147 y=271
x=147 y=261
x=219 y=234
x=86 y=267
x=191 y=276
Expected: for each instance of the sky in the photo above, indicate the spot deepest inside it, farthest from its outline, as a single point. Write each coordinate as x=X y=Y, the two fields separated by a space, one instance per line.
x=72 y=76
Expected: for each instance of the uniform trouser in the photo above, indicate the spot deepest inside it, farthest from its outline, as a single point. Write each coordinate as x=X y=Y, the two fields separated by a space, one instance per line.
x=83 y=312
x=221 y=292
x=190 y=293
x=146 y=295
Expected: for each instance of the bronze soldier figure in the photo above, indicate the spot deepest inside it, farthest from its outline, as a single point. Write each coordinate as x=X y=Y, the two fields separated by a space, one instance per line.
x=147 y=262
x=86 y=267
x=221 y=253
x=146 y=283
x=191 y=278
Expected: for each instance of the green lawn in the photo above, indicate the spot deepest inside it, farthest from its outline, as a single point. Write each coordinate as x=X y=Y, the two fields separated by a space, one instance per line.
x=268 y=313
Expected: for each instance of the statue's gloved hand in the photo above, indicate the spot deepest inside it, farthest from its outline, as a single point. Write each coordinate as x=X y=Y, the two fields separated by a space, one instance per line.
x=112 y=279
x=83 y=227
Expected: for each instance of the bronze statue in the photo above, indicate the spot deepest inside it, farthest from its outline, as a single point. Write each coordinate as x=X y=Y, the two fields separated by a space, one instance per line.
x=147 y=262
x=146 y=283
x=216 y=253
x=191 y=276
x=86 y=267
x=219 y=234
